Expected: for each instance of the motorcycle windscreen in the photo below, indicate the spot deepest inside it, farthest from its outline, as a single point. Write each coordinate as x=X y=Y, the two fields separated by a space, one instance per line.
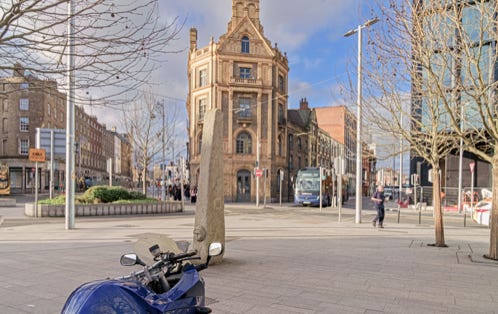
x=109 y=297
x=145 y=241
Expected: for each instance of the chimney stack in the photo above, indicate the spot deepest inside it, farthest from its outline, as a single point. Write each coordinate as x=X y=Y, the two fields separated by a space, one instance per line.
x=193 y=39
x=303 y=104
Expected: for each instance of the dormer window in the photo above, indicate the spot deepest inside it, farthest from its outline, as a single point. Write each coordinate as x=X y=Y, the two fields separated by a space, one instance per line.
x=245 y=44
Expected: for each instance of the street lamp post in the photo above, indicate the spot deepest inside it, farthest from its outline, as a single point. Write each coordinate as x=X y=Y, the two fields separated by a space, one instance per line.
x=69 y=209
x=358 y=123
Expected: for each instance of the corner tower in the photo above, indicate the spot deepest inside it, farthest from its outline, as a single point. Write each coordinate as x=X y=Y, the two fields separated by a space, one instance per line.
x=242 y=9
x=245 y=77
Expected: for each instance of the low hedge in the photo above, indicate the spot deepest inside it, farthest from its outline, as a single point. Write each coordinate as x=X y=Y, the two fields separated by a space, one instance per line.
x=102 y=194
x=108 y=194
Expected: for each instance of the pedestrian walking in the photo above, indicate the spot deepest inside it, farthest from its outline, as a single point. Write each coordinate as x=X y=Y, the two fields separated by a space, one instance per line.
x=378 y=199
x=193 y=194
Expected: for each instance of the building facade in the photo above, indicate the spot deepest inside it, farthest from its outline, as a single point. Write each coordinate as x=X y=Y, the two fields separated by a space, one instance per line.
x=340 y=123
x=245 y=77
x=29 y=103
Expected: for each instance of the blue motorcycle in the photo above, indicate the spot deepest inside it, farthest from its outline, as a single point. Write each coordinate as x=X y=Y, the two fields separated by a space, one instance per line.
x=170 y=285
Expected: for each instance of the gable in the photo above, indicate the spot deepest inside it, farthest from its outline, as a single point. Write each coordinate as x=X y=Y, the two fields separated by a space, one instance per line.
x=231 y=43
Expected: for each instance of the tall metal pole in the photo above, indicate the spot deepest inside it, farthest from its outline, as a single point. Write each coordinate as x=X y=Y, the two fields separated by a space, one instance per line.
x=36 y=190
x=51 y=188
x=257 y=167
x=320 y=197
x=339 y=183
x=163 y=174
x=358 y=136
x=69 y=210
x=359 y=169
x=182 y=192
x=401 y=159
x=460 y=164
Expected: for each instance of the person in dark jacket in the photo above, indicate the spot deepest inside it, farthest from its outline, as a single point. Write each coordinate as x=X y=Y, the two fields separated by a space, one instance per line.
x=193 y=194
x=378 y=199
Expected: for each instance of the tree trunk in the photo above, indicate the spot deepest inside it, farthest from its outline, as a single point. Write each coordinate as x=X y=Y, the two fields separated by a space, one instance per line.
x=493 y=241
x=438 y=213
x=144 y=181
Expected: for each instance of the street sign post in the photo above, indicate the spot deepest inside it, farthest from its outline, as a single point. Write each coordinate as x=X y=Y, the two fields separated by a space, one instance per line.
x=472 y=166
x=37 y=155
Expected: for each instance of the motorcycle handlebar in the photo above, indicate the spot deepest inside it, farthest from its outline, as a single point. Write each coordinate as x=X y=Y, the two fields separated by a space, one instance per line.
x=168 y=257
x=183 y=255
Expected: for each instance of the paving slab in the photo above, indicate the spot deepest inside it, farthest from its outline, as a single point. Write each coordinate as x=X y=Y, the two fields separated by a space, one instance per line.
x=278 y=260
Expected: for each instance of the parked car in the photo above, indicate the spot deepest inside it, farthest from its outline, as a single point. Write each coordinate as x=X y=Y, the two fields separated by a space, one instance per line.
x=482 y=213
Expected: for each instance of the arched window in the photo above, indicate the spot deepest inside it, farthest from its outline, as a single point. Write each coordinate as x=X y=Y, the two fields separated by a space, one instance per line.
x=244 y=143
x=245 y=44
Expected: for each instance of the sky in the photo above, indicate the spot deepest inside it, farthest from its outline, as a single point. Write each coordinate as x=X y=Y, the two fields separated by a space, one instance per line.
x=311 y=35
x=322 y=61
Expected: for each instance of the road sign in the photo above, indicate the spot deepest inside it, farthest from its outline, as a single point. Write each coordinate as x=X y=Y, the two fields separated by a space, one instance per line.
x=472 y=166
x=259 y=172
x=43 y=140
x=37 y=154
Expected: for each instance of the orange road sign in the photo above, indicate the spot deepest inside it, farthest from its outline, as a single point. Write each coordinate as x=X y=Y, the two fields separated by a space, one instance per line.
x=36 y=154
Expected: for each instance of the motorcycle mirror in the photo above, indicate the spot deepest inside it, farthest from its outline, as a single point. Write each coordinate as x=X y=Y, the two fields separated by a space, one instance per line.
x=215 y=249
x=130 y=259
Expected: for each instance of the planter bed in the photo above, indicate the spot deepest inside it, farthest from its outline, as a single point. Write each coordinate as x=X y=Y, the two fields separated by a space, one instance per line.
x=92 y=210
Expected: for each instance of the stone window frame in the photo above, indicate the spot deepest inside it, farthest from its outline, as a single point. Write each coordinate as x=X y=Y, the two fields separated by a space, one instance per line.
x=245 y=44
x=245 y=104
x=199 y=143
x=203 y=77
x=245 y=72
x=201 y=107
x=24 y=104
x=23 y=147
x=243 y=143
x=281 y=83
x=24 y=124
x=5 y=123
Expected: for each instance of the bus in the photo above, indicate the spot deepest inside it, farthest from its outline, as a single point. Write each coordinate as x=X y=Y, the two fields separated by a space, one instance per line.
x=307 y=188
x=4 y=180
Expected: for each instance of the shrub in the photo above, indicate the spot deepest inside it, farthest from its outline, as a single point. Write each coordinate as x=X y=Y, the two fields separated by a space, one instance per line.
x=107 y=194
x=59 y=200
x=102 y=194
x=134 y=195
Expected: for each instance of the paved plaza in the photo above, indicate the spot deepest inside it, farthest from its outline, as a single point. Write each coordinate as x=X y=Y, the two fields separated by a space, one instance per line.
x=278 y=259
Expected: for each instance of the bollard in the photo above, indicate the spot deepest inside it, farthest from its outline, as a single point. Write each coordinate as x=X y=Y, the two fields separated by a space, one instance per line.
x=465 y=218
x=399 y=212
x=419 y=216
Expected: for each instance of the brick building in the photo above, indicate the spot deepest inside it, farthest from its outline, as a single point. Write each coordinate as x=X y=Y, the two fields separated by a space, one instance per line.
x=29 y=103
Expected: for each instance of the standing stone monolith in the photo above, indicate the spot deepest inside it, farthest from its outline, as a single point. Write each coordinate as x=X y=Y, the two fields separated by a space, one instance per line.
x=210 y=208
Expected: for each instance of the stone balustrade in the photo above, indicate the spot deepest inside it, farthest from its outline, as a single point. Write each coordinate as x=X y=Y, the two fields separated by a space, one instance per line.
x=82 y=210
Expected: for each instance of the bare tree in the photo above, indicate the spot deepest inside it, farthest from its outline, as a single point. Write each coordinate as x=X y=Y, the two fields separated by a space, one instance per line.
x=406 y=90
x=443 y=53
x=117 y=43
x=150 y=126
x=467 y=54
